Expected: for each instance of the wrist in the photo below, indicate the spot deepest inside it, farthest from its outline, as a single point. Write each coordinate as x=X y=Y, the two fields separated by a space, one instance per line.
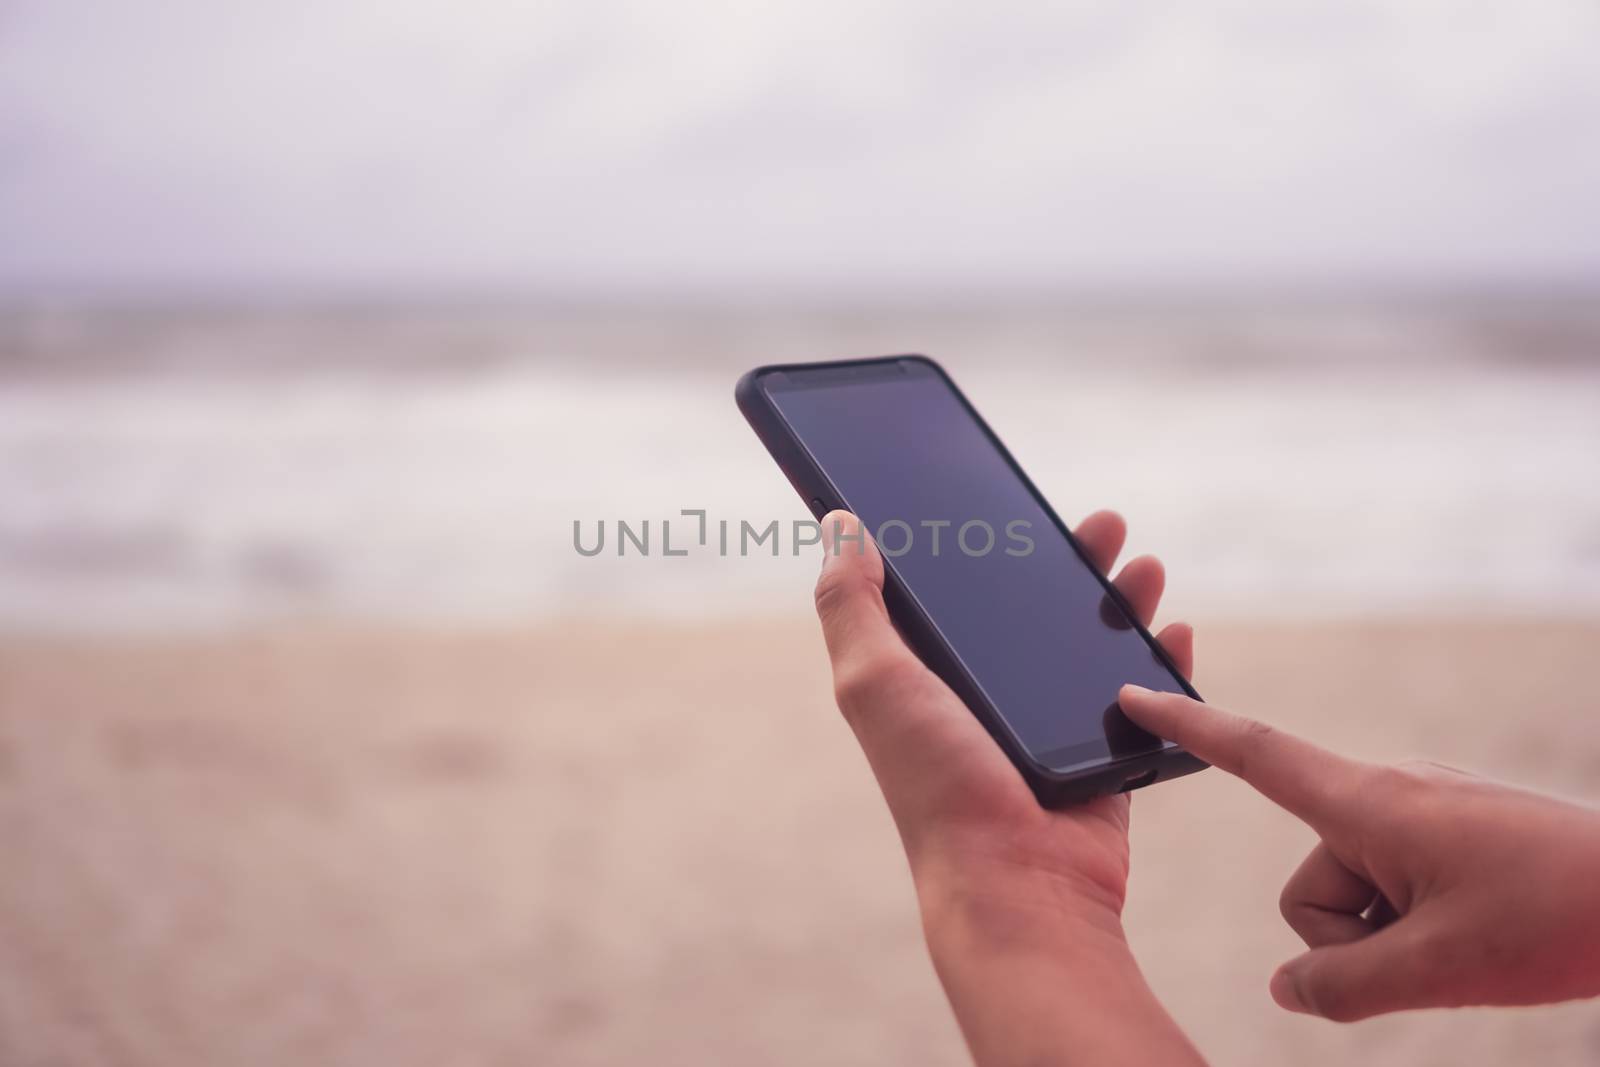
x=970 y=908
x=1040 y=972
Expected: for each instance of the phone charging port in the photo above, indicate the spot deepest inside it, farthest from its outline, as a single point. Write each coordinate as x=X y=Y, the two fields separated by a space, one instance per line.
x=1139 y=781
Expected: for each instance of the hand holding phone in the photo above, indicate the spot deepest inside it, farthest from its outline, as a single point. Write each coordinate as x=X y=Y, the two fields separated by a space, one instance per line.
x=955 y=798
x=1021 y=905
x=1430 y=888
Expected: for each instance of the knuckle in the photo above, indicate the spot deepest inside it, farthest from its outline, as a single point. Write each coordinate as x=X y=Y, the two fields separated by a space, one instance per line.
x=1432 y=770
x=832 y=592
x=850 y=683
x=1289 y=903
x=1413 y=778
x=868 y=680
x=1255 y=731
x=1399 y=798
x=1419 y=768
x=1253 y=737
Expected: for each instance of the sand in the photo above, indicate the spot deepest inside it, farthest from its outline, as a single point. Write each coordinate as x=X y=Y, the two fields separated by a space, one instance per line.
x=612 y=845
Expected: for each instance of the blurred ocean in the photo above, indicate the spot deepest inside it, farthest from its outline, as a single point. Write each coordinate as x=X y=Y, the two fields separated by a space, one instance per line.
x=166 y=470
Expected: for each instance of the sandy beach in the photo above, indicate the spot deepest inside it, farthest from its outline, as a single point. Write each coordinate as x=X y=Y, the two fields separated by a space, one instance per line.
x=303 y=757
x=540 y=846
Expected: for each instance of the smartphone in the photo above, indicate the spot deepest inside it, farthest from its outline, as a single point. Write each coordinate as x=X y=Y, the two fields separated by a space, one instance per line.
x=982 y=578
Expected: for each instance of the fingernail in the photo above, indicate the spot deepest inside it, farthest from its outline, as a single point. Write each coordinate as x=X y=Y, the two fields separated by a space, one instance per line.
x=1284 y=992
x=1136 y=690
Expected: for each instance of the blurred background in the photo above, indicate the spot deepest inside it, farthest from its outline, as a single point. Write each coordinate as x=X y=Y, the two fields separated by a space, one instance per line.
x=322 y=324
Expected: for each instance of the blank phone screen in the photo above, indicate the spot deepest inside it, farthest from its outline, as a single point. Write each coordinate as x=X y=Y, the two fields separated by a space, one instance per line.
x=1029 y=621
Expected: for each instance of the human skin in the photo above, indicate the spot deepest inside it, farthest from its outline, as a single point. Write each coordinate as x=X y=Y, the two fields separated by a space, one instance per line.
x=1429 y=888
x=1021 y=907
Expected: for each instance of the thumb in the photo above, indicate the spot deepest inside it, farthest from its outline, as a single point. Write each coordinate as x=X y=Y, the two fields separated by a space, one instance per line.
x=925 y=748
x=1390 y=970
x=849 y=596
x=874 y=671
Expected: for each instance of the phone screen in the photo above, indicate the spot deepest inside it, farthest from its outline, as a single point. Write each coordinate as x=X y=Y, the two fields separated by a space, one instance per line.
x=1027 y=618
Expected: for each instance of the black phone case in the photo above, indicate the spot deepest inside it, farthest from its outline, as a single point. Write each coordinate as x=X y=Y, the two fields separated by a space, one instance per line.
x=1053 y=788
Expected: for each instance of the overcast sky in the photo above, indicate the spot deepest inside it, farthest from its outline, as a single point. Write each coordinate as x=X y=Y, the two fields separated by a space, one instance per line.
x=306 y=145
